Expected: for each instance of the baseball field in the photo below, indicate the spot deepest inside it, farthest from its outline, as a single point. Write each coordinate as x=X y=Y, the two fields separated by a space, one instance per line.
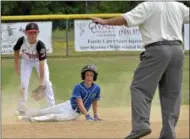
x=115 y=74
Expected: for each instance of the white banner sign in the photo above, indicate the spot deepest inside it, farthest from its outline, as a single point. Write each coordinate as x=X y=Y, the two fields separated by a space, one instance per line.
x=10 y=32
x=186 y=37
x=95 y=37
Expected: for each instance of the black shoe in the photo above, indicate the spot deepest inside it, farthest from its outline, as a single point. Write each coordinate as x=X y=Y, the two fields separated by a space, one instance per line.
x=139 y=134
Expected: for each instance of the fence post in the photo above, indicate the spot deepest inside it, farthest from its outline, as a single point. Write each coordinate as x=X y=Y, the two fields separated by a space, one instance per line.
x=67 y=41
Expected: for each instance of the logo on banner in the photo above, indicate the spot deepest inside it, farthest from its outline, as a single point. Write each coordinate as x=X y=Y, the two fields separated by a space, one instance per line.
x=97 y=28
x=8 y=34
x=81 y=27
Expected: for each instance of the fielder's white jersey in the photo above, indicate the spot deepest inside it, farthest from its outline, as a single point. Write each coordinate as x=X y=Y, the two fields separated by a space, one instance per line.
x=31 y=52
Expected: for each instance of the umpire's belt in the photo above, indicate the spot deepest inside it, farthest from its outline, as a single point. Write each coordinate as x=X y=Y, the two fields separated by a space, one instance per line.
x=165 y=42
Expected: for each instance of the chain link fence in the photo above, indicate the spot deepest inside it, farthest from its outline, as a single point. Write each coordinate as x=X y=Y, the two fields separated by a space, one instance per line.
x=63 y=40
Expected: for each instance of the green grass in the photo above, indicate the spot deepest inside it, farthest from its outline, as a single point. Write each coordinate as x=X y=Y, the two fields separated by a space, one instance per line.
x=115 y=74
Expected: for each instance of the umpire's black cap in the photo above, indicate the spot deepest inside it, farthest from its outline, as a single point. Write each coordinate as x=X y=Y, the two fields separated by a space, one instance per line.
x=32 y=27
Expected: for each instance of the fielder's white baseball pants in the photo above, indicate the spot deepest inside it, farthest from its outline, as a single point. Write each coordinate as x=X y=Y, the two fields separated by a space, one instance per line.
x=59 y=112
x=25 y=73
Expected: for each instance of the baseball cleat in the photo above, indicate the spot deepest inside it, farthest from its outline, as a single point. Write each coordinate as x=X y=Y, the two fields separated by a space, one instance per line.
x=139 y=134
x=20 y=113
x=23 y=118
x=32 y=119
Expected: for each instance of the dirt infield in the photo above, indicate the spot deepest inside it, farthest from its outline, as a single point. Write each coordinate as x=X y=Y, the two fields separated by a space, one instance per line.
x=116 y=124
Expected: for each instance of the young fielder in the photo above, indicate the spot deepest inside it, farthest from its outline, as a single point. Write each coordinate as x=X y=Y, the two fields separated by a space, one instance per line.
x=84 y=95
x=33 y=55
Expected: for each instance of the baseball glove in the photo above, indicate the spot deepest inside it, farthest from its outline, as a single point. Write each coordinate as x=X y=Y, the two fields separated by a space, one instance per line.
x=39 y=93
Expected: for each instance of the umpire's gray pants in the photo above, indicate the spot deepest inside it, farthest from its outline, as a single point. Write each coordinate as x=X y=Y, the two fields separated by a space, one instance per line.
x=160 y=65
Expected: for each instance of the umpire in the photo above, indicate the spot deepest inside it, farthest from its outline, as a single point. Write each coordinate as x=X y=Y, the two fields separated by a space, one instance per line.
x=161 y=63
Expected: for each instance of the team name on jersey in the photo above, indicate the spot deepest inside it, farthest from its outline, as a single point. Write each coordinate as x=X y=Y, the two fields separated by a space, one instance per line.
x=29 y=52
x=31 y=56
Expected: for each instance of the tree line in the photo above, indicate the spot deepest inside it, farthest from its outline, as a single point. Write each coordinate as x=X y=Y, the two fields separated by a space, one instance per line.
x=67 y=7
x=64 y=7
